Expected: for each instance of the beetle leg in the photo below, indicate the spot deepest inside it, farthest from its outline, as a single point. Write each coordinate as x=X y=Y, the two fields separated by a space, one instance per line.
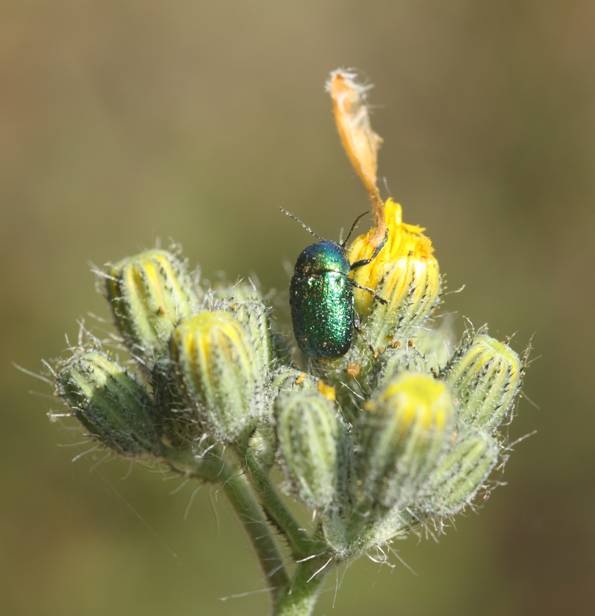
x=377 y=250
x=358 y=328
x=357 y=323
x=376 y=296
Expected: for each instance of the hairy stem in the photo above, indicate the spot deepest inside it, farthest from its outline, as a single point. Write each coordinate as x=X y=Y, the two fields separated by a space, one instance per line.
x=300 y=544
x=295 y=597
x=300 y=597
x=238 y=491
x=240 y=494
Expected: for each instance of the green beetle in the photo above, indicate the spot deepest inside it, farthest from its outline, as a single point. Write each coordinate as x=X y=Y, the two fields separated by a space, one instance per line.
x=321 y=296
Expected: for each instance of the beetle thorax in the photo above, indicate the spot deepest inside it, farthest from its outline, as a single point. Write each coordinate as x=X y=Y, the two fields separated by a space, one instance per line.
x=321 y=257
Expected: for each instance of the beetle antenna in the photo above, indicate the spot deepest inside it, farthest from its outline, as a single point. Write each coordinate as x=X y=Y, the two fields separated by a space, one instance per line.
x=353 y=228
x=302 y=223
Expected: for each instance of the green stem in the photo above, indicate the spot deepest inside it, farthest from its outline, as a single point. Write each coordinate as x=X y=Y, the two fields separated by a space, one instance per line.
x=300 y=598
x=238 y=491
x=290 y=598
x=300 y=544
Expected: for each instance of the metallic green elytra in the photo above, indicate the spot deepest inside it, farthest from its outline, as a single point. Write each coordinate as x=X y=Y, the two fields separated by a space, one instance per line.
x=321 y=300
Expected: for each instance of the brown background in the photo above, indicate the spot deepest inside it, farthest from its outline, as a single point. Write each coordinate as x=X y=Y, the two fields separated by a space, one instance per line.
x=123 y=122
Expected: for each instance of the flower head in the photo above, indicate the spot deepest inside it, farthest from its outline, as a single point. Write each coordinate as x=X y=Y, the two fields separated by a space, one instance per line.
x=109 y=402
x=485 y=375
x=405 y=431
x=394 y=432
x=405 y=274
x=215 y=364
x=149 y=293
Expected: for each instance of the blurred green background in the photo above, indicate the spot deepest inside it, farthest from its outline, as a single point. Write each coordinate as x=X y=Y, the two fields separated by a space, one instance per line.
x=124 y=122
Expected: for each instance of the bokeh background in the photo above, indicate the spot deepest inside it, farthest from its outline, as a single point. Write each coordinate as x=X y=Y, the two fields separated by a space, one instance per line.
x=125 y=122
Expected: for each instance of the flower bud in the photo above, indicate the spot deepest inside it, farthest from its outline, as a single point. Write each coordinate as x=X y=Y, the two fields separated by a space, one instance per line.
x=244 y=301
x=185 y=445
x=405 y=432
x=314 y=448
x=286 y=380
x=217 y=368
x=150 y=294
x=178 y=425
x=461 y=474
x=486 y=380
x=405 y=273
x=262 y=445
x=436 y=344
x=404 y=358
x=111 y=405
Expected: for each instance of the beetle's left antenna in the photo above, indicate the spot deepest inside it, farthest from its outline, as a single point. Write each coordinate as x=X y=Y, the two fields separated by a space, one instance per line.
x=343 y=243
x=302 y=223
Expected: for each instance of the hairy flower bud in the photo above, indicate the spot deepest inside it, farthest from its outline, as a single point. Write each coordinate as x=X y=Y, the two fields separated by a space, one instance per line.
x=217 y=368
x=486 y=380
x=244 y=301
x=287 y=379
x=313 y=448
x=262 y=445
x=404 y=358
x=150 y=294
x=112 y=405
x=461 y=474
x=177 y=422
x=185 y=445
x=404 y=434
x=437 y=344
x=405 y=274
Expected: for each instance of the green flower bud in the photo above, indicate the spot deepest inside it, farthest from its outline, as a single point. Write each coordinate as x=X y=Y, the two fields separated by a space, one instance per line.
x=216 y=365
x=178 y=425
x=486 y=380
x=262 y=445
x=402 y=358
x=436 y=344
x=286 y=380
x=461 y=474
x=150 y=294
x=405 y=432
x=111 y=405
x=394 y=523
x=314 y=448
x=185 y=445
x=244 y=301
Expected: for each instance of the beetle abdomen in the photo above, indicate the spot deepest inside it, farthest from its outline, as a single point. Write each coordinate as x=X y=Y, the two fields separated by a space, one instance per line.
x=322 y=312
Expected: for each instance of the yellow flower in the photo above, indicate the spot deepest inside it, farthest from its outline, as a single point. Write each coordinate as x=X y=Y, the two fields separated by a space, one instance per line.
x=405 y=273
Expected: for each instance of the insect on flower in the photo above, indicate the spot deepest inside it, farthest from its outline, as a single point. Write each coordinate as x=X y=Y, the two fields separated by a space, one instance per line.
x=321 y=296
x=396 y=435
x=321 y=290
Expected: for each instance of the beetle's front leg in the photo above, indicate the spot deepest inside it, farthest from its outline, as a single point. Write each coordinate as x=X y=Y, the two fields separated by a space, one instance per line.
x=364 y=262
x=376 y=296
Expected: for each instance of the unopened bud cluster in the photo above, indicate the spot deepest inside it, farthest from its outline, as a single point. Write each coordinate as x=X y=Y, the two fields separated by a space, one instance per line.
x=383 y=440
